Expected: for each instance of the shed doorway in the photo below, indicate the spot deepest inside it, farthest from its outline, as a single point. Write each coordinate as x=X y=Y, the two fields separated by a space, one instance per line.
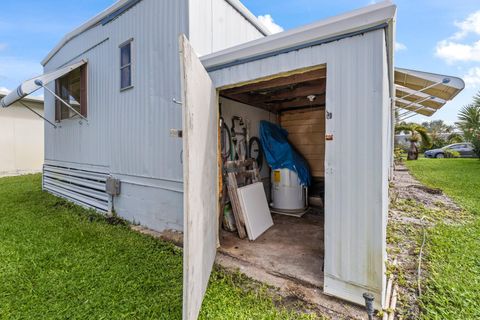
x=293 y=247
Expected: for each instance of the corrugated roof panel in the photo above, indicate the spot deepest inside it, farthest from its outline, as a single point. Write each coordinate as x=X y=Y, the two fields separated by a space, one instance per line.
x=416 y=89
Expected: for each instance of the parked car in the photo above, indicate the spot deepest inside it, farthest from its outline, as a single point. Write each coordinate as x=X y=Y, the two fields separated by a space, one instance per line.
x=465 y=150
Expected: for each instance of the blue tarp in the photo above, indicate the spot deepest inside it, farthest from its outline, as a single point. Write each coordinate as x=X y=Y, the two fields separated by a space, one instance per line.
x=280 y=154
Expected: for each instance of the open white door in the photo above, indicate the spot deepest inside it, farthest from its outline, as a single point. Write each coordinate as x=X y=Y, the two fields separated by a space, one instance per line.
x=200 y=125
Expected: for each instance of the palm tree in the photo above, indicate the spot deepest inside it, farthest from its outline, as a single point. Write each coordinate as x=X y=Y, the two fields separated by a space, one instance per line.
x=469 y=123
x=437 y=130
x=417 y=133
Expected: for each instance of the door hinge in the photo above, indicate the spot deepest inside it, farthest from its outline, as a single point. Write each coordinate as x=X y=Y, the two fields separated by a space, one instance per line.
x=176 y=133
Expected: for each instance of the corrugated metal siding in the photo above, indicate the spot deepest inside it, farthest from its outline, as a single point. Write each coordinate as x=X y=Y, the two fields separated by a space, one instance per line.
x=356 y=185
x=216 y=25
x=127 y=131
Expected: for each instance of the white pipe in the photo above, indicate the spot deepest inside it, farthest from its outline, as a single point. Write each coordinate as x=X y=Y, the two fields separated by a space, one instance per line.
x=393 y=305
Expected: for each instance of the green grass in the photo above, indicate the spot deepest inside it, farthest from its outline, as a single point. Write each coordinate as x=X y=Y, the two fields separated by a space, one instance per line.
x=452 y=289
x=60 y=261
x=458 y=178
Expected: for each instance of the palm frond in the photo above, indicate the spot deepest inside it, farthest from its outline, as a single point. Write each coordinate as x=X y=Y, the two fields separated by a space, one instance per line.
x=426 y=140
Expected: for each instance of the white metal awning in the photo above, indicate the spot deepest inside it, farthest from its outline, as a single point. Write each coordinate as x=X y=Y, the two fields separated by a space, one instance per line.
x=32 y=85
x=423 y=93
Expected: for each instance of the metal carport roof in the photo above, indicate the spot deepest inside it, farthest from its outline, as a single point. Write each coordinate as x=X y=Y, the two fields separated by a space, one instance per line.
x=424 y=93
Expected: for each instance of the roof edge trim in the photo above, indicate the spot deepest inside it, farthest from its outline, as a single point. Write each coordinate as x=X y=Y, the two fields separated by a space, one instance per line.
x=249 y=16
x=84 y=27
x=294 y=48
x=115 y=14
x=120 y=7
x=356 y=21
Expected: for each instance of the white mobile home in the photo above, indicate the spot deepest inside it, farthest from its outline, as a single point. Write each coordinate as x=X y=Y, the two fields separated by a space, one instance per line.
x=137 y=114
x=21 y=137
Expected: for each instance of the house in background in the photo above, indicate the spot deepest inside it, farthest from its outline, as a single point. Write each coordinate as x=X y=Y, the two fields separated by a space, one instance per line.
x=21 y=138
x=135 y=96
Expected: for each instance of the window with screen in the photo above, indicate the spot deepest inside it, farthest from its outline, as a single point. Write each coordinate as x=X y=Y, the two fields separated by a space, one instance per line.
x=126 y=65
x=72 y=88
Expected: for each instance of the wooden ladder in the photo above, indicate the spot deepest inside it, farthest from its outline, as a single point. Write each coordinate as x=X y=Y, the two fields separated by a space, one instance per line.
x=235 y=171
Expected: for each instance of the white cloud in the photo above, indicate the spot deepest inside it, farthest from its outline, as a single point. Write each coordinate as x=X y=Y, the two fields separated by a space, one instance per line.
x=4 y=90
x=470 y=25
x=400 y=46
x=472 y=78
x=452 y=51
x=3 y=46
x=270 y=24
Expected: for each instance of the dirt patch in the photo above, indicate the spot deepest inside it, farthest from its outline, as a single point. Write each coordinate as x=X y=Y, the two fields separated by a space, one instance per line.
x=414 y=209
x=406 y=187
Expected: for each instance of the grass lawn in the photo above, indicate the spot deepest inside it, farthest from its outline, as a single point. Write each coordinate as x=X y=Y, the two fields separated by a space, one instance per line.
x=452 y=251
x=59 y=261
x=458 y=178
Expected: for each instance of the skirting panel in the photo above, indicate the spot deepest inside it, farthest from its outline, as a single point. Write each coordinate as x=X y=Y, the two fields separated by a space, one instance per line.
x=85 y=188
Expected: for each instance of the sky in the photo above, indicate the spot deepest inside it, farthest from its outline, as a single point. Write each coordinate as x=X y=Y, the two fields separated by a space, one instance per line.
x=439 y=36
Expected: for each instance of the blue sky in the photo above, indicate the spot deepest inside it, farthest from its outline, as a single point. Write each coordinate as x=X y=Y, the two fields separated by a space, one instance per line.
x=434 y=35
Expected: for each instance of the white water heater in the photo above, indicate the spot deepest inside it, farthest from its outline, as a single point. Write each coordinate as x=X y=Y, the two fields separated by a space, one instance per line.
x=287 y=192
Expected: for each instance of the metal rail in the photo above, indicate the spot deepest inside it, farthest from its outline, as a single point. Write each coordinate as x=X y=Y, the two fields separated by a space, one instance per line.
x=38 y=114
x=40 y=83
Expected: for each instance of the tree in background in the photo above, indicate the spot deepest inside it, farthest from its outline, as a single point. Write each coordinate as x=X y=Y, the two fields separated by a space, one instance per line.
x=417 y=133
x=455 y=137
x=440 y=133
x=469 y=123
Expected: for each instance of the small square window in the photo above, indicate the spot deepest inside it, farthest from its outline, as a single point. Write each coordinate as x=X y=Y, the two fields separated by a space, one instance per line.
x=71 y=88
x=126 y=65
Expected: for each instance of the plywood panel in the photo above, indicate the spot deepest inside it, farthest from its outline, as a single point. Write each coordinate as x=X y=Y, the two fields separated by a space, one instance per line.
x=316 y=114
x=306 y=130
x=290 y=123
x=258 y=218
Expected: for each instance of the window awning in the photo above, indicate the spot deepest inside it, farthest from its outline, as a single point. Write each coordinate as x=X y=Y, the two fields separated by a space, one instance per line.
x=32 y=85
x=423 y=93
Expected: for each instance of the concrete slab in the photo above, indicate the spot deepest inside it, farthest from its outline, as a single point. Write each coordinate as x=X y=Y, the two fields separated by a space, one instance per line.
x=293 y=248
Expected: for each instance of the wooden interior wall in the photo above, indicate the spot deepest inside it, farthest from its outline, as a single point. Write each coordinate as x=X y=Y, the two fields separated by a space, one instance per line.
x=306 y=130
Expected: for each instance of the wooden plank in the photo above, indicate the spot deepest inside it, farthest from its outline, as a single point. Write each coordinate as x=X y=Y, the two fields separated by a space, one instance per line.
x=317 y=165
x=301 y=102
x=318 y=114
x=290 y=123
x=316 y=157
x=307 y=129
x=318 y=174
x=289 y=92
x=299 y=139
x=280 y=81
x=237 y=210
x=307 y=134
x=311 y=150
